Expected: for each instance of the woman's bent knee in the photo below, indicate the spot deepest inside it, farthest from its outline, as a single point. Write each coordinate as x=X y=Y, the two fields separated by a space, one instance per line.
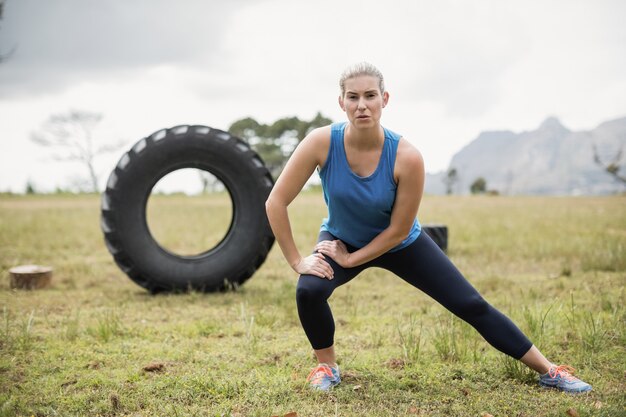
x=312 y=289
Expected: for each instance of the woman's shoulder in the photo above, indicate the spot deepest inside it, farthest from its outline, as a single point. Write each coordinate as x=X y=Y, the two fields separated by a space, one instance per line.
x=320 y=136
x=408 y=158
x=316 y=143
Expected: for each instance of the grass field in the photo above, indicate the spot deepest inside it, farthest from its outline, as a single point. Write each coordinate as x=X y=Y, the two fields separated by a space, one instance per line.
x=95 y=344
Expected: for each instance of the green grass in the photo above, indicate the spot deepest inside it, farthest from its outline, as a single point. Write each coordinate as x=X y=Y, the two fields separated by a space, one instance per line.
x=556 y=266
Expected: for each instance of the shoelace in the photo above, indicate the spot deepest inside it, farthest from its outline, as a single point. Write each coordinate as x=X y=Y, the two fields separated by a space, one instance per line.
x=564 y=371
x=318 y=373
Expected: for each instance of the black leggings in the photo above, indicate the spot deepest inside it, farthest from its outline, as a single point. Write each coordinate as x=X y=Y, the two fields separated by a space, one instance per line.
x=423 y=265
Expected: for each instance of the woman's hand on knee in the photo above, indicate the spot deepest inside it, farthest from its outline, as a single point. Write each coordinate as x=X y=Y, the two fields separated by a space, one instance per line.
x=336 y=250
x=316 y=265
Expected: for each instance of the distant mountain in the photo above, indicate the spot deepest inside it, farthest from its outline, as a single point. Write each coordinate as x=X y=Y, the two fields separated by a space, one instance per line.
x=551 y=160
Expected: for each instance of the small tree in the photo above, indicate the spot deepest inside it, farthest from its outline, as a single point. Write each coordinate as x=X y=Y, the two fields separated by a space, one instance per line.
x=450 y=180
x=210 y=183
x=612 y=167
x=73 y=134
x=30 y=187
x=479 y=186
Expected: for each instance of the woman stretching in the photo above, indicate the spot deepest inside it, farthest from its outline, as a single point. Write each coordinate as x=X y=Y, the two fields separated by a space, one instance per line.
x=373 y=181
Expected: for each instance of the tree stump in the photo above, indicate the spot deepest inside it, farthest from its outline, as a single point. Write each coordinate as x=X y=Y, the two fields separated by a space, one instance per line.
x=30 y=277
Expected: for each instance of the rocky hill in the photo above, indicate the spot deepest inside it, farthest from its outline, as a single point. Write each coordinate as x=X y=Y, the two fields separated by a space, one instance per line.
x=550 y=160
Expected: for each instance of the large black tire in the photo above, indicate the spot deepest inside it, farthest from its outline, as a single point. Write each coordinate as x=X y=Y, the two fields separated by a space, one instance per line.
x=126 y=233
x=438 y=233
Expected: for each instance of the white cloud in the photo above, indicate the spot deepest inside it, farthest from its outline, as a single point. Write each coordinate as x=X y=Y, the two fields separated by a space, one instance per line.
x=59 y=43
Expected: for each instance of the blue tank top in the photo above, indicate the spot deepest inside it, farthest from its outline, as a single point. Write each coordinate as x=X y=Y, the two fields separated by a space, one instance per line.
x=359 y=208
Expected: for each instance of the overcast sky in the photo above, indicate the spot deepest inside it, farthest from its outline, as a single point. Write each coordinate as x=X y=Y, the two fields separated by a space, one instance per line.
x=453 y=68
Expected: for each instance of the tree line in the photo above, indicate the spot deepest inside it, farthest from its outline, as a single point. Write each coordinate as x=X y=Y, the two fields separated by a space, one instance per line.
x=479 y=186
x=72 y=136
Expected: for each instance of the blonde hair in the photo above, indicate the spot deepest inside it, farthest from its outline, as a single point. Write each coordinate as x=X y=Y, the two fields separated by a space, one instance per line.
x=362 y=68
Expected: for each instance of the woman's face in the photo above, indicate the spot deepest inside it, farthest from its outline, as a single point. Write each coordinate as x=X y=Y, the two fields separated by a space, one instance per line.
x=362 y=101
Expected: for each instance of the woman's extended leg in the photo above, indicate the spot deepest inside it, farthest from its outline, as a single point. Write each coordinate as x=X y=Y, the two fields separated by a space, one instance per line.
x=425 y=266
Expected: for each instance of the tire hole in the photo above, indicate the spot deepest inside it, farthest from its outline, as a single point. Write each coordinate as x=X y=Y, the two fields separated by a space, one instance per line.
x=189 y=212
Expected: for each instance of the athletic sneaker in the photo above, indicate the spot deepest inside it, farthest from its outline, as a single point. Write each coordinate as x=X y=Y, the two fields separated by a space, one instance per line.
x=562 y=377
x=324 y=377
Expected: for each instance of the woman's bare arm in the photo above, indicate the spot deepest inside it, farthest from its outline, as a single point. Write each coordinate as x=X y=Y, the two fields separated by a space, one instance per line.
x=309 y=154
